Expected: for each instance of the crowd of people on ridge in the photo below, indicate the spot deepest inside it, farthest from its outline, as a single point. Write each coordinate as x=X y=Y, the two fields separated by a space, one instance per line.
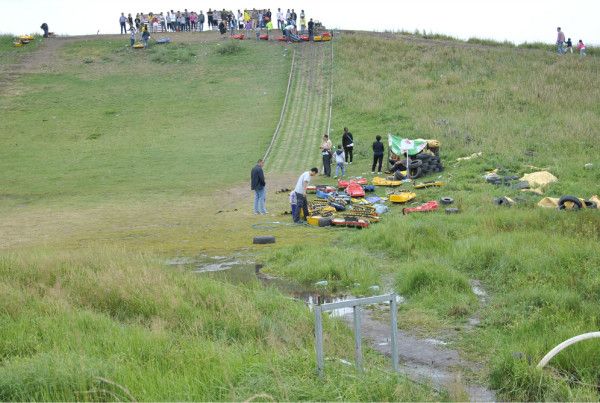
x=288 y=22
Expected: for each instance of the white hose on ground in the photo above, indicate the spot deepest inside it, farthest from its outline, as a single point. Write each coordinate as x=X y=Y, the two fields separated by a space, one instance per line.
x=565 y=344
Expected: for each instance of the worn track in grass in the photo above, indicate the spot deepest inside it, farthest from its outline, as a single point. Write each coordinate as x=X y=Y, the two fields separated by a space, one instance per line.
x=305 y=115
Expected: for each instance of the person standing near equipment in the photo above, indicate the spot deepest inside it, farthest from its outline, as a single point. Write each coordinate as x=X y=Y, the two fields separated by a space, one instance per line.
x=311 y=29
x=300 y=191
x=348 y=143
x=326 y=153
x=44 y=27
x=377 y=154
x=257 y=183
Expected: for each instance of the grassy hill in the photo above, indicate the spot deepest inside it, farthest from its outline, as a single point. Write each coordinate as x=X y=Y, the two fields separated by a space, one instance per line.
x=114 y=160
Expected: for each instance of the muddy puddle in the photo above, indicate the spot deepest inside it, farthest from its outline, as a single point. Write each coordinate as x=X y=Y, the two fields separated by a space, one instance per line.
x=429 y=360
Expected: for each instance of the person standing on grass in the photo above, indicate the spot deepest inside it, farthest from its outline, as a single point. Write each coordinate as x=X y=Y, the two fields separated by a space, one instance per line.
x=201 y=21
x=258 y=184
x=377 y=154
x=302 y=23
x=280 y=22
x=569 y=46
x=209 y=15
x=44 y=27
x=581 y=48
x=122 y=22
x=560 y=41
x=132 y=37
x=348 y=143
x=145 y=35
x=326 y=153
x=300 y=190
x=340 y=160
x=130 y=21
x=311 y=29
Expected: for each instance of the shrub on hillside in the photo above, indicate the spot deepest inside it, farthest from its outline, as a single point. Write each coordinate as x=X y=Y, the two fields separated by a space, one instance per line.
x=230 y=48
x=180 y=53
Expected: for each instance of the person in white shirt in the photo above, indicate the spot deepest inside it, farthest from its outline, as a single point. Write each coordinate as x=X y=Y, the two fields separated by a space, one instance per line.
x=280 y=23
x=300 y=191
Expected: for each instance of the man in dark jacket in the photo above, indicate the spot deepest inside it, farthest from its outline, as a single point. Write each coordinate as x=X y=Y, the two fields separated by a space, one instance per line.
x=257 y=183
x=348 y=144
x=377 y=154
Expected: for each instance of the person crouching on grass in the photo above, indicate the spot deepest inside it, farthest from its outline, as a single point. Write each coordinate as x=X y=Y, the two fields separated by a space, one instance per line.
x=340 y=161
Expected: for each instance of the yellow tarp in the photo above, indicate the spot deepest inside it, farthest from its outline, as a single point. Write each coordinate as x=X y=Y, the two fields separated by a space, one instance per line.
x=539 y=179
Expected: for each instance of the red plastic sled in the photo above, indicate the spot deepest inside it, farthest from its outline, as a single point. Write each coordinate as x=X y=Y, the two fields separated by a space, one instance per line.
x=342 y=184
x=355 y=190
x=282 y=39
x=238 y=36
x=304 y=38
x=429 y=206
x=264 y=37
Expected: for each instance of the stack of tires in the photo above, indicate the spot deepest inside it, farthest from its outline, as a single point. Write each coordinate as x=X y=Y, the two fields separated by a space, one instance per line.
x=421 y=165
x=431 y=163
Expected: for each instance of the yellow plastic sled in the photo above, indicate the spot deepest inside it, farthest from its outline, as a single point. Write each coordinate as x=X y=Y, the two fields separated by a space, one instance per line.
x=402 y=197
x=378 y=181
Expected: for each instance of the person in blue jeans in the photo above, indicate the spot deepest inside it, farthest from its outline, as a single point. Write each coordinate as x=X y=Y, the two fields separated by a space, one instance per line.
x=257 y=183
x=300 y=190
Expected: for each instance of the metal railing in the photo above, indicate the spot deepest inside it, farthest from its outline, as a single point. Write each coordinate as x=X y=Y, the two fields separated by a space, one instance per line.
x=356 y=305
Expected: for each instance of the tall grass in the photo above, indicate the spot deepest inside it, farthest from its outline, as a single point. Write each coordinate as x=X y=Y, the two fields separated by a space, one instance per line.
x=106 y=324
x=520 y=108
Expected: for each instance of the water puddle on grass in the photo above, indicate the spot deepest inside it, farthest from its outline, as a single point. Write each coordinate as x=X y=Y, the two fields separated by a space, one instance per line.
x=236 y=270
x=423 y=360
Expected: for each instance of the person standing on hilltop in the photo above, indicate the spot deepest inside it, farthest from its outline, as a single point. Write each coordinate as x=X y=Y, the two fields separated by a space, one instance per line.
x=581 y=48
x=201 y=21
x=44 y=27
x=560 y=41
x=280 y=22
x=130 y=21
x=348 y=143
x=257 y=183
x=122 y=22
x=302 y=23
x=311 y=29
x=209 y=16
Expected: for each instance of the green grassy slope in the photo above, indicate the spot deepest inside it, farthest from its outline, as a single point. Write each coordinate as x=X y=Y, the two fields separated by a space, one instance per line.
x=519 y=108
x=102 y=146
x=112 y=122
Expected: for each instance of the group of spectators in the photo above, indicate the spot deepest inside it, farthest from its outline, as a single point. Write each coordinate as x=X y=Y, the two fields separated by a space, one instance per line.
x=563 y=46
x=224 y=20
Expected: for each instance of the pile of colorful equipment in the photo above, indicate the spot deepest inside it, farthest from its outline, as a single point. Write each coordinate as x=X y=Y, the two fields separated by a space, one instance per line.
x=22 y=40
x=346 y=206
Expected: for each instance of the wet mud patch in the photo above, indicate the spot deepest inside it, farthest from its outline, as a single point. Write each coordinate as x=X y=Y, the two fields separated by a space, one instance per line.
x=425 y=360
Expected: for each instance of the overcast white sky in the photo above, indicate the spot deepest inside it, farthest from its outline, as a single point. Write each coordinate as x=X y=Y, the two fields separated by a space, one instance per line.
x=515 y=20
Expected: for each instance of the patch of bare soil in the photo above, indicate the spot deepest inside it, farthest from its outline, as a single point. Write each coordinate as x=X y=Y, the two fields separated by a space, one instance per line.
x=425 y=360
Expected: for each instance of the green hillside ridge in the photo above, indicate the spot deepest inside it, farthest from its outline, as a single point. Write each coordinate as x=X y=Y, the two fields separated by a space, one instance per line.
x=115 y=160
